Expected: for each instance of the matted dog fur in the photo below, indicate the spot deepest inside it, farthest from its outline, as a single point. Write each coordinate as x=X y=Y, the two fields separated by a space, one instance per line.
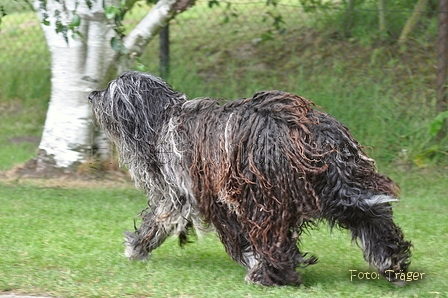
x=258 y=169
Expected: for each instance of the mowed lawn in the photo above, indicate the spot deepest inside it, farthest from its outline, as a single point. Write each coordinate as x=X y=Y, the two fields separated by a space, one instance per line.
x=66 y=241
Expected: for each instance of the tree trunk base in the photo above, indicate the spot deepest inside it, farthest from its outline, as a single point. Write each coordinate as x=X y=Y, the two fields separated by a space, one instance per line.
x=44 y=167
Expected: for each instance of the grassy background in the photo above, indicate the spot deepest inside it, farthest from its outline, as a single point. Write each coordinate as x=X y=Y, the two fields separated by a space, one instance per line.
x=65 y=239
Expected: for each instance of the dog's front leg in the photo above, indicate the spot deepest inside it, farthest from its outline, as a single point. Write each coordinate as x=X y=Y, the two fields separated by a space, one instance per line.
x=150 y=235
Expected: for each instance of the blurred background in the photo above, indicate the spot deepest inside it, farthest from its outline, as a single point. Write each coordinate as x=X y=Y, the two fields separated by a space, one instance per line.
x=370 y=64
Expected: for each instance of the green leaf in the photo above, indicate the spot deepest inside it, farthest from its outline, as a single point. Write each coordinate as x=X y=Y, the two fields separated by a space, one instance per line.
x=78 y=33
x=59 y=27
x=111 y=11
x=115 y=43
x=212 y=3
x=436 y=125
x=419 y=159
x=45 y=20
x=268 y=35
x=140 y=65
x=76 y=20
x=271 y=2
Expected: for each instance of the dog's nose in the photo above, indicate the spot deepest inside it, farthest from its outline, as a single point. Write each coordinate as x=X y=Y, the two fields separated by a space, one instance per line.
x=91 y=96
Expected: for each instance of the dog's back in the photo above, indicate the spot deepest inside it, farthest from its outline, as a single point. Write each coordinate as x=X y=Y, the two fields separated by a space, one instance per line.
x=276 y=162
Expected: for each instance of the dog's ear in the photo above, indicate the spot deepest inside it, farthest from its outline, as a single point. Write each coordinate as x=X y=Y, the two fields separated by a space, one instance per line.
x=140 y=104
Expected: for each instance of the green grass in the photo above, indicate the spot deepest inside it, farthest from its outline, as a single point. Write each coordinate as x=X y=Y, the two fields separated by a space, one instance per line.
x=67 y=242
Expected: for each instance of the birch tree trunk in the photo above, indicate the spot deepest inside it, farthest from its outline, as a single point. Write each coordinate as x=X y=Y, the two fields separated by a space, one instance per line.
x=79 y=65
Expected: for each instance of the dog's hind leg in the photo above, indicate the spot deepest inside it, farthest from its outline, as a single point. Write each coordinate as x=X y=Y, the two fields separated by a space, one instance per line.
x=256 y=246
x=368 y=216
x=370 y=222
x=354 y=196
x=261 y=267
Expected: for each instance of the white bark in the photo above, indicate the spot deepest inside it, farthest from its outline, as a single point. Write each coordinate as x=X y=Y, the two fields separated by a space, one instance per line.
x=149 y=26
x=80 y=66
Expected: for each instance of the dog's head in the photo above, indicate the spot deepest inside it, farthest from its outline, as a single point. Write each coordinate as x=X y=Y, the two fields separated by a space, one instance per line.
x=133 y=105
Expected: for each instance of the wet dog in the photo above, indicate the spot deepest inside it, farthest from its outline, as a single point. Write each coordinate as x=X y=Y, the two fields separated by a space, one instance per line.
x=259 y=170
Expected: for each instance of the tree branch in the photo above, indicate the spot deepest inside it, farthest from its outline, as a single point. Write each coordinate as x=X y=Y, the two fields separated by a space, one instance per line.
x=149 y=26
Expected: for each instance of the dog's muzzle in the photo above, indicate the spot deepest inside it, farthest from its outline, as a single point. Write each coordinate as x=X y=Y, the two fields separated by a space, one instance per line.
x=92 y=95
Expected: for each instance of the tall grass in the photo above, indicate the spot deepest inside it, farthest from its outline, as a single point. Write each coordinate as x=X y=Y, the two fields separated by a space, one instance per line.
x=24 y=87
x=362 y=22
x=24 y=59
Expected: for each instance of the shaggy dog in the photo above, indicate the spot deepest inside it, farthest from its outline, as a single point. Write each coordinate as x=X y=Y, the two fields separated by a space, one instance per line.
x=258 y=169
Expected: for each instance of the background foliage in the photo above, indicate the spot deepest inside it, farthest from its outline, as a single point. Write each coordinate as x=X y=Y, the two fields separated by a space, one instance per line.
x=384 y=92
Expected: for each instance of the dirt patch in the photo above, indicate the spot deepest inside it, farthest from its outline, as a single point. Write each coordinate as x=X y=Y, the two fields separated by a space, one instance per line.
x=22 y=296
x=24 y=139
x=9 y=294
x=31 y=173
x=11 y=108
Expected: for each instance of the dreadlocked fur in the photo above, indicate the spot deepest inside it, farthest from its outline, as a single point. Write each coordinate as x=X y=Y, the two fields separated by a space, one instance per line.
x=258 y=169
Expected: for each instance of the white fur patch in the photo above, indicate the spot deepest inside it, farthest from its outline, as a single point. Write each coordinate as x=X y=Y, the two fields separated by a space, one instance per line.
x=112 y=87
x=249 y=258
x=227 y=132
x=367 y=249
x=381 y=199
x=128 y=251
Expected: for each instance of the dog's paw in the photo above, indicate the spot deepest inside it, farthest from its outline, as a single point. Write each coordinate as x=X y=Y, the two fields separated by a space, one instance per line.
x=269 y=276
x=134 y=249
